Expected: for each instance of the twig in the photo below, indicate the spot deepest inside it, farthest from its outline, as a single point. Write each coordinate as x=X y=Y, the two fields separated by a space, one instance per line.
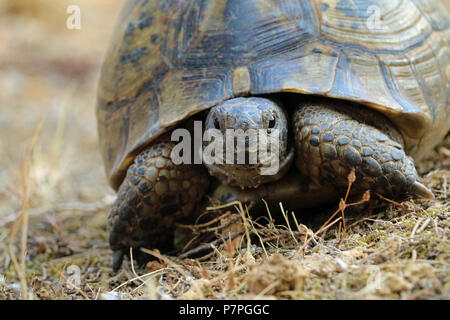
x=395 y=203
x=222 y=226
x=286 y=218
x=23 y=218
x=424 y=225
x=166 y=260
x=207 y=246
x=136 y=278
x=413 y=233
x=132 y=267
x=255 y=231
x=444 y=186
x=198 y=226
x=88 y=252
x=321 y=229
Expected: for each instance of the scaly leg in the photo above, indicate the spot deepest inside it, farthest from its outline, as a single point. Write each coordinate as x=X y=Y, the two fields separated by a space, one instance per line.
x=154 y=195
x=332 y=137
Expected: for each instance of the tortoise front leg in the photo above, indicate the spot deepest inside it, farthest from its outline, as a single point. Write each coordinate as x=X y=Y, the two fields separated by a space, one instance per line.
x=154 y=195
x=332 y=137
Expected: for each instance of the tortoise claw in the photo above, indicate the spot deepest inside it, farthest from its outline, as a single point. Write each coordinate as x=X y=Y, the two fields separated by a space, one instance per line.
x=422 y=191
x=117 y=260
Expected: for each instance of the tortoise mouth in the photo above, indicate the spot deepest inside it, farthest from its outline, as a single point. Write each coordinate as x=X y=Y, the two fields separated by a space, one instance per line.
x=253 y=175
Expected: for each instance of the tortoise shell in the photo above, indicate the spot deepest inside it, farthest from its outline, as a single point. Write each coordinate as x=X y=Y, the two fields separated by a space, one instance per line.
x=171 y=59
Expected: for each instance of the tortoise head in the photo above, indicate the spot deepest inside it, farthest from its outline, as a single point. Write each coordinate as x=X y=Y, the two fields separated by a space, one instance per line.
x=248 y=141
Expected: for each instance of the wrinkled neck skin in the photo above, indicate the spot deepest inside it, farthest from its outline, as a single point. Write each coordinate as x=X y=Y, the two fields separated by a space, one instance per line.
x=247 y=142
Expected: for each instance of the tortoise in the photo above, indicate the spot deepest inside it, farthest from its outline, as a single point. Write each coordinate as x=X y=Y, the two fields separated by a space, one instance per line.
x=347 y=85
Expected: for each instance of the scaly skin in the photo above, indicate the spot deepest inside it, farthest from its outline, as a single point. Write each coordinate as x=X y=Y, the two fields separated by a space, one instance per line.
x=330 y=137
x=154 y=195
x=334 y=136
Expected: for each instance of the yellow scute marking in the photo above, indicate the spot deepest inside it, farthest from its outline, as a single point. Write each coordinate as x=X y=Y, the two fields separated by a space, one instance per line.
x=241 y=81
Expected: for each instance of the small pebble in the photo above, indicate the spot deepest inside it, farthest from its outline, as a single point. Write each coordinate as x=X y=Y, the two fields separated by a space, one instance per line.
x=113 y=295
x=342 y=264
x=14 y=287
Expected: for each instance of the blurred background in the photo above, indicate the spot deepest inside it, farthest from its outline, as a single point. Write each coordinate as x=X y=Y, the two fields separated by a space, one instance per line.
x=49 y=73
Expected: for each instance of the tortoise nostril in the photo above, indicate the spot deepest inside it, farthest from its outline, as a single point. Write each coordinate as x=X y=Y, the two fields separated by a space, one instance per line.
x=216 y=123
x=272 y=122
x=243 y=124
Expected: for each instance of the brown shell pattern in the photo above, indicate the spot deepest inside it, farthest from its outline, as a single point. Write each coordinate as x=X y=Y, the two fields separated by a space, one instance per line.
x=171 y=59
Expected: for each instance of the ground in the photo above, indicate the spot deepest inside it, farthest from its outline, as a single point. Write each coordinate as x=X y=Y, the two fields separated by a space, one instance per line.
x=54 y=199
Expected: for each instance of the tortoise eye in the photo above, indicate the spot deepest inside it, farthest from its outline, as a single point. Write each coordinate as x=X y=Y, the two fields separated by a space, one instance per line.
x=272 y=122
x=216 y=123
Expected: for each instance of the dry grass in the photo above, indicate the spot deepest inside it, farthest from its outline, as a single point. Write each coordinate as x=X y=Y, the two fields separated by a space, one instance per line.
x=394 y=251
x=54 y=200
